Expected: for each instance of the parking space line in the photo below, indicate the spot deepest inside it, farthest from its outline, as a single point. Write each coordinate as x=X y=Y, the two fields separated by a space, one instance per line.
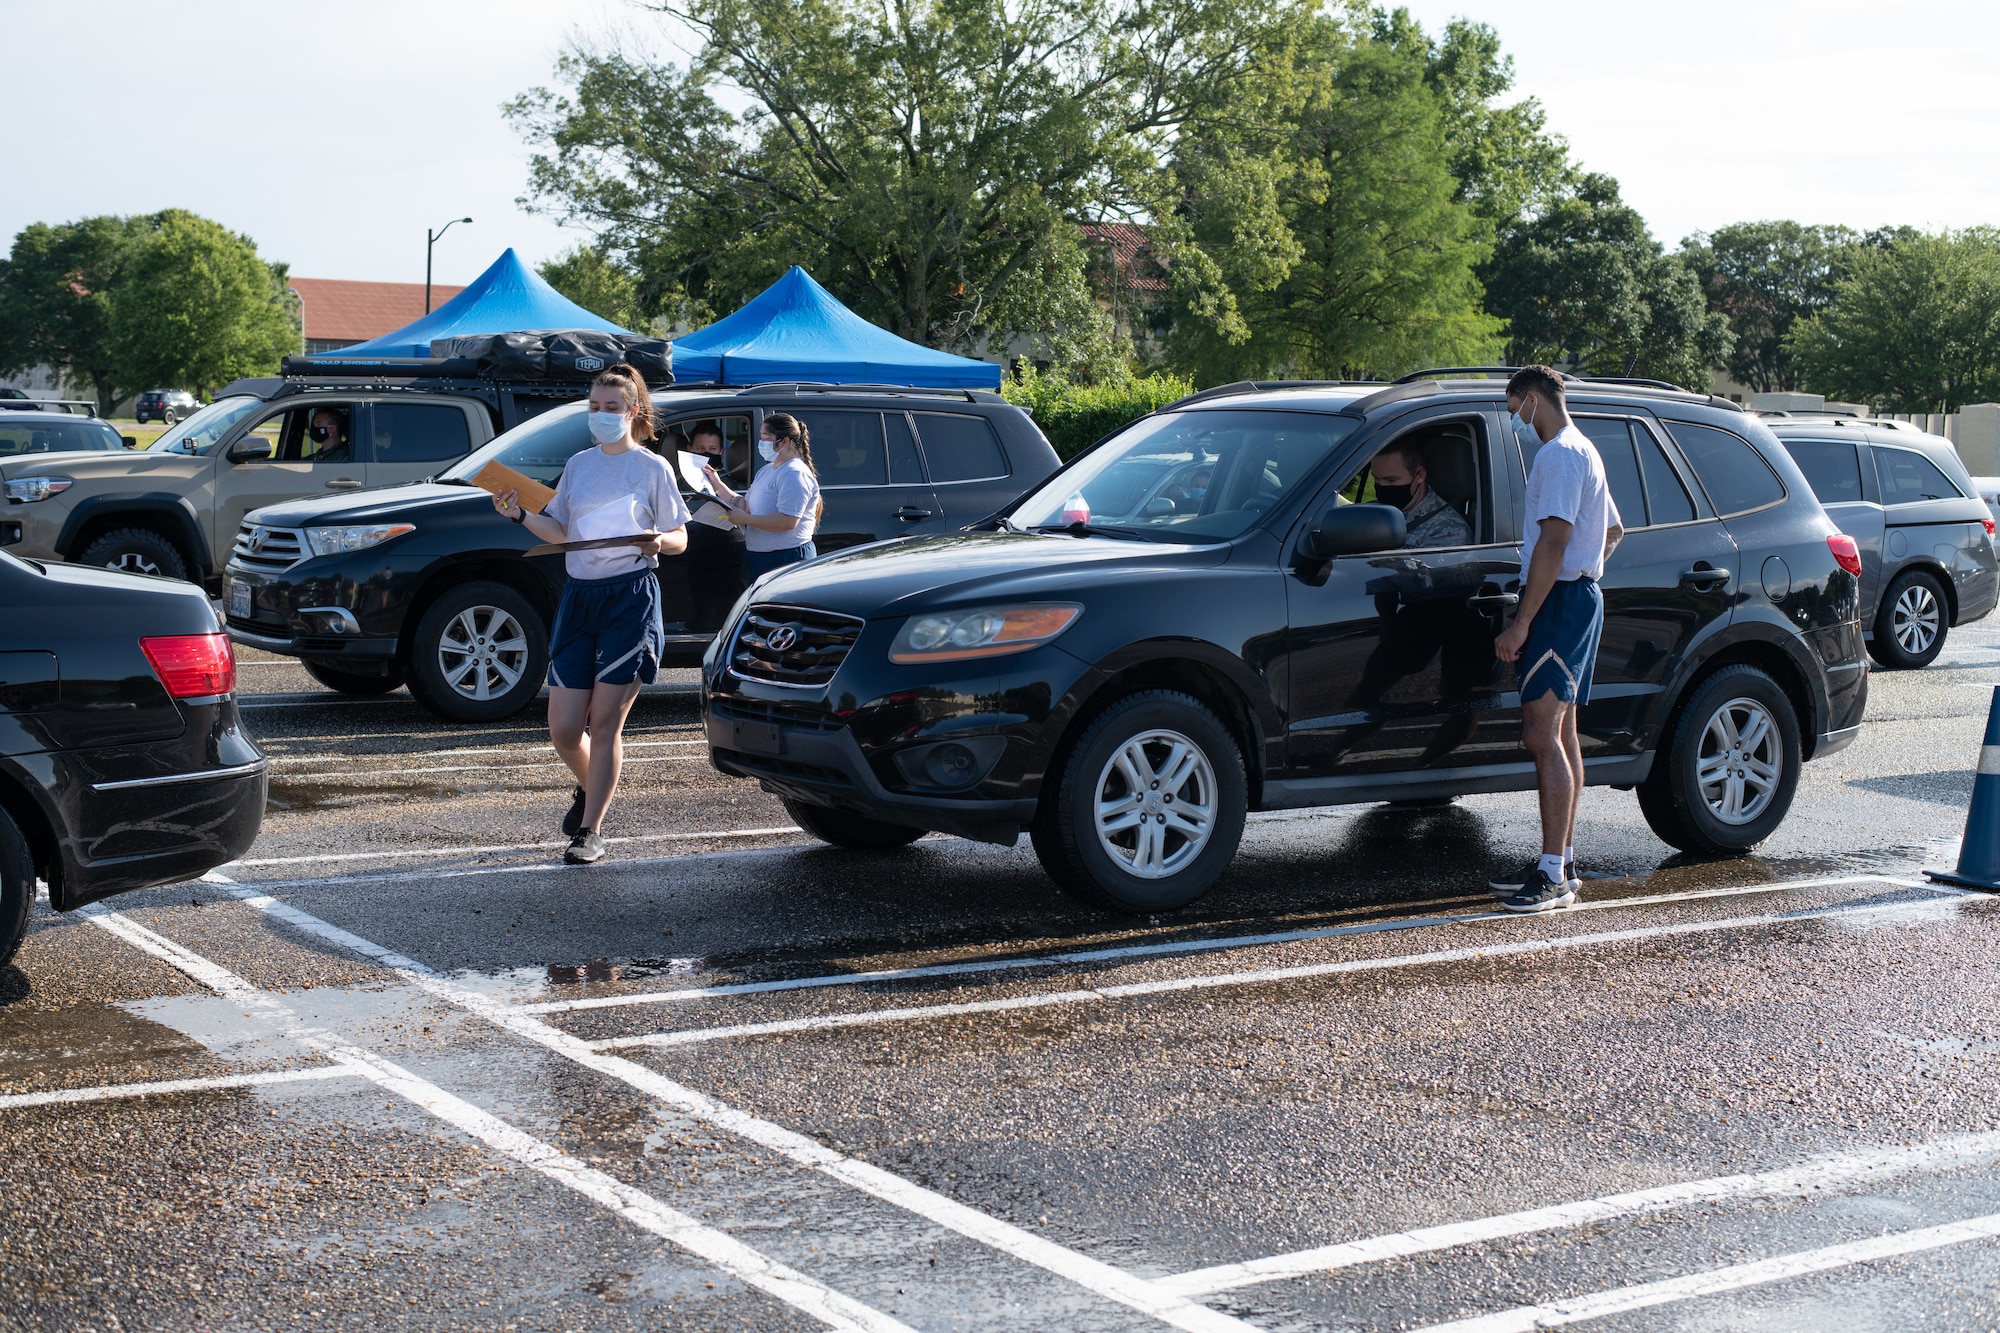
x=1309 y=971
x=1093 y=1275
x=288 y=760
x=725 y=1252
x=117 y=1091
x=1832 y=1172
x=1715 y=1282
x=1134 y=951
x=551 y=845
x=546 y=766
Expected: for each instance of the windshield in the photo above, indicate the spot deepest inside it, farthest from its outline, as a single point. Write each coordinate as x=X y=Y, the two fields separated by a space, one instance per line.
x=538 y=447
x=198 y=434
x=1187 y=476
x=55 y=437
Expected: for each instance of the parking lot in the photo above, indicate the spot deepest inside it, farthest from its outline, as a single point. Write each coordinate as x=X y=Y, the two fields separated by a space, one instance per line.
x=400 y=1067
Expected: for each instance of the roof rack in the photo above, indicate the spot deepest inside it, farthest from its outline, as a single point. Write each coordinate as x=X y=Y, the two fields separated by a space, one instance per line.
x=1629 y=382
x=1258 y=386
x=1466 y=372
x=821 y=386
x=75 y=407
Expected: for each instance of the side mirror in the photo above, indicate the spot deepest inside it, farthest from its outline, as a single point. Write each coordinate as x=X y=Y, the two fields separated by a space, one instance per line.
x=1159 y=507
x=131 y=441
x=249 y=449
x=1355 y=530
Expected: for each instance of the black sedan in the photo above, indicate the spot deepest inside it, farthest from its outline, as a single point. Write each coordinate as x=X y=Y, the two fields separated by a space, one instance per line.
x=123 y=763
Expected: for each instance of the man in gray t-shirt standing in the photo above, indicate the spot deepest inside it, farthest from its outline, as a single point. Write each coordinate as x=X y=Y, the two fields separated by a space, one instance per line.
x=1572 y=526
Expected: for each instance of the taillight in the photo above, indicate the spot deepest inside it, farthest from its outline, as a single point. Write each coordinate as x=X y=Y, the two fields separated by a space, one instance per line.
x=192 y=665
x=1845 y=553
x=1989 y=525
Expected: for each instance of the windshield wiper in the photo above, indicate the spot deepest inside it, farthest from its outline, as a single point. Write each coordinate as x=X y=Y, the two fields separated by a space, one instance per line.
x=1082 y=529
x=451 y=481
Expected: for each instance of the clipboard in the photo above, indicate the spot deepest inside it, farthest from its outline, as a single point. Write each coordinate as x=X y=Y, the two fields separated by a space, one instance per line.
x=498 y=477
x=594 y=544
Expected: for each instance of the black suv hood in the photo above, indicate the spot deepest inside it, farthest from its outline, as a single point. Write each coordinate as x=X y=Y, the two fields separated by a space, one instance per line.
x=968 y=569
x=384 y=506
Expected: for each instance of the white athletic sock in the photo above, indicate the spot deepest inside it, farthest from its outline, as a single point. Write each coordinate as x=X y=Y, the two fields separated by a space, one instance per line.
x=1569 y=855
x=1552 y=866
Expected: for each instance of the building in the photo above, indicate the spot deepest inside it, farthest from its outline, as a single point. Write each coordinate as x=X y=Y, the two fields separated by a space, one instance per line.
x=338 y=313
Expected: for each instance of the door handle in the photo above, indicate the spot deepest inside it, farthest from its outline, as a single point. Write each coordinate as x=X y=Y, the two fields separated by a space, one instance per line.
x=912 y=514
x=343 y=484
x=1487 y=601
x=1691 y=577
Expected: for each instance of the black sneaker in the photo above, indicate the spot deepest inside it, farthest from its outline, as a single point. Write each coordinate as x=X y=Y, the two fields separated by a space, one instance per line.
x=1506 y=886
x=1538 y=893
x=574 y=819
x=584 y=848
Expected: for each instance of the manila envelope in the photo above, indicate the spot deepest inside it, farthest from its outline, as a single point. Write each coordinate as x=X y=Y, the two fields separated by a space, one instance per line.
x=498 y=477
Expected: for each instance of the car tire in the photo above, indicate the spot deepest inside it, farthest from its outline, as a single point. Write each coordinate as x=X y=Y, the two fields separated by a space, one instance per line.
x=843 y=828
x=17 y=887
x=136 y=551
x=353 y=682
x=1709 y=799
x=167 y=418
x=1911 y=623
x=1110 y=861
x=480 y=653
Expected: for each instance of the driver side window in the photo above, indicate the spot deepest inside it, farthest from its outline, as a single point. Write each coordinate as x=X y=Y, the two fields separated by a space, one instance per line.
x=1437 y=474
x=293 y=434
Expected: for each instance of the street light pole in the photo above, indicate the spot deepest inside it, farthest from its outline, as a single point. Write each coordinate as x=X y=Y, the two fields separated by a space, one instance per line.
x=431 y=239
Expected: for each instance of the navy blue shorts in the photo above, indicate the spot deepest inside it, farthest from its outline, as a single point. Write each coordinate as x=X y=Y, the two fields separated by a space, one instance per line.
x=759 y=563
x=1561 y=651
x=607 y=632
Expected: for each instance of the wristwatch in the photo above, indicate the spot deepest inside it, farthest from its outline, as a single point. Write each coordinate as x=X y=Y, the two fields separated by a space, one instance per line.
x=520 y=514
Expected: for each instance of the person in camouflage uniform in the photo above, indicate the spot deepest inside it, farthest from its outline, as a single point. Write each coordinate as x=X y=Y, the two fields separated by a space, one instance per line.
x=1402 y=479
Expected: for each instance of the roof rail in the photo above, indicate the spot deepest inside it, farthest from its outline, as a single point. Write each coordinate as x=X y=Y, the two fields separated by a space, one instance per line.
x=820 y=386
x=1466 y=372
x=75 y=407
x=1258 y=386
x=1630 y=382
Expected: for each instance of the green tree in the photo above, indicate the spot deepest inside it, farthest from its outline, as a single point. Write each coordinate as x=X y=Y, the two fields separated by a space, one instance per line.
x=1764 y=277
x=1914 y=326
x=600 y=284
x=55 y=303
x=1582 y=282
x=196 y=307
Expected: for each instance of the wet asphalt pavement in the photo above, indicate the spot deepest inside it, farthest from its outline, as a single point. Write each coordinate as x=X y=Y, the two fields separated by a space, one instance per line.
x=399 y=1068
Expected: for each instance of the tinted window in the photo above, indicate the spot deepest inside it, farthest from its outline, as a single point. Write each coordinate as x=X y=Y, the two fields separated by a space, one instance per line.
x=1614 y=445
x=1735 y=476
x=960 y=448
x=1832 y=468
x=905 y=468
x=1908 y=477
x=419 y=433
x=56 y=437
x=1667 y=499
x=846 y=447
x=538 y=447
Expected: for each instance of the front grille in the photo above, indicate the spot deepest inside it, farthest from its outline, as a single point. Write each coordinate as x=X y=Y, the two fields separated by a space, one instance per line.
x=268 y=550
x=792 y=645
x=755 y=710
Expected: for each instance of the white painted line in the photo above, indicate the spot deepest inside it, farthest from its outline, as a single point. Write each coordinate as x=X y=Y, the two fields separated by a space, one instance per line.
x=511 y=847
x=748 y=1265
x=1176 y=947
x=547 y=766
x=288 y=760
x=1092 y=1274
x=1555 y=1314
x=329 y=698
x=116 y=1091
x=1825 y=1173
x=870 y=1018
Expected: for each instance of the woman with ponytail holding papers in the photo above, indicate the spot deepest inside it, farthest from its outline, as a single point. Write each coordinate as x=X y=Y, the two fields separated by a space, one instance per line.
x=780 y=512
x=608 y=636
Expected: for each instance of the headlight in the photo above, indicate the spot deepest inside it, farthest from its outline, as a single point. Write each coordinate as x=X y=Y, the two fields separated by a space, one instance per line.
x=30 y=489
x=988 y=632
x=332 y=541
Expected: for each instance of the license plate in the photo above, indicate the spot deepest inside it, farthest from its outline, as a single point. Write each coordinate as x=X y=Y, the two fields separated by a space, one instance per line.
x=759 y=738
x=239 y=600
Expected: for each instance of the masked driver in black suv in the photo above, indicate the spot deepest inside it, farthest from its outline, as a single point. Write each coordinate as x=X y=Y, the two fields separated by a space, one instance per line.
x=1126 y=662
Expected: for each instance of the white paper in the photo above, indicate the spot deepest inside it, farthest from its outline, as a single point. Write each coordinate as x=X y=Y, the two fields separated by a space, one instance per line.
x=714 y=515
x=691 y=471
x=614 y=518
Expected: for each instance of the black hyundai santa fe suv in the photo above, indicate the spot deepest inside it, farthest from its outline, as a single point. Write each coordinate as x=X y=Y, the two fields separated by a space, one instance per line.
x=1202 y=616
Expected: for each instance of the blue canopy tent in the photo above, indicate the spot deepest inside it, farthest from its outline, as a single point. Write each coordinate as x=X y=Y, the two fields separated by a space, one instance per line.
x=796 y=330
x=506 y=298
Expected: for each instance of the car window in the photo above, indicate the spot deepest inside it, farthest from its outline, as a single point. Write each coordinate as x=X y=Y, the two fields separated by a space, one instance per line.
x=418 y=432
x=537 y=448
x=1731 y=470
x=960 y=448
x=1452 y=454
x=1187 y=476
x=56 y=437
x=848 y=448
x=723 y=441
x=1832 y=468
x=321 y=433
x=1613 y=439
x=198 y=434
x=905 y=468
x=1908 y=477
x=1667 y=499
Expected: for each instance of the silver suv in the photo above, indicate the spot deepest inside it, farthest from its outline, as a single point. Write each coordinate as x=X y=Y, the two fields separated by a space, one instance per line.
x=1926 y=538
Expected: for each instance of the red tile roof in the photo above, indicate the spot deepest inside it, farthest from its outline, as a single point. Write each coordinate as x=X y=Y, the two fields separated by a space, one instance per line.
x=1137 y=268
x=358 y=311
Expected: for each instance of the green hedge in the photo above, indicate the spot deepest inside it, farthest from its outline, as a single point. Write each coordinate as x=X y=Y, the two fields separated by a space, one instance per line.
x=1076 y=416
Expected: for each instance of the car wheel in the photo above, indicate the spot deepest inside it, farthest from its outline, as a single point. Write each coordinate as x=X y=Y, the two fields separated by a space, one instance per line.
x=1911 y=624
x=17 y=887
x=843 y=828
x=136 y=551
x=479 y=654
x=167 y=418
x=1724 y=780
x=1146 y=812
x=353 y=682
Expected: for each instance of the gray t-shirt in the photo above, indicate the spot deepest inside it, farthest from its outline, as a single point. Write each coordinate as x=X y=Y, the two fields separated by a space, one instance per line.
x=1566 y=481
x=615 y=495
x=787 y=488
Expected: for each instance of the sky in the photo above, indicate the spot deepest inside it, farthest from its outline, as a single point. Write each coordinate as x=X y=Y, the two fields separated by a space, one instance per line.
x=333 y=135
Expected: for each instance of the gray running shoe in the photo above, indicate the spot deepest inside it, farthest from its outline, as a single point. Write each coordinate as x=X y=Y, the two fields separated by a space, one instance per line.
x=1506 y=886
x=1538 y=893
x=584 y=848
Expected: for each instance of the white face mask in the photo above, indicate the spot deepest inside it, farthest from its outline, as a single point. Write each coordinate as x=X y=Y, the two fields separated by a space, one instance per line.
x=607 y=427
x=766 y=450
x=1529 y=437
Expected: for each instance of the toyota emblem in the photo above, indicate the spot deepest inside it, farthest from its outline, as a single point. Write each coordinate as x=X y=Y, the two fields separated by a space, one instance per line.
x=783 y=638
x=257 y=536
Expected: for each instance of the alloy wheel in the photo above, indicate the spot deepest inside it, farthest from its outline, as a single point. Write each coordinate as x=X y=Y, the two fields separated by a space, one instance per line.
x=131 y=562
x=1741 y=759
x=1156 y=802
x=483 y=652
x=1914 y=621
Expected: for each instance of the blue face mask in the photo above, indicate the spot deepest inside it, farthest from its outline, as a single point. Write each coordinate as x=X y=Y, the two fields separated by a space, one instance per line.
x=607 y=427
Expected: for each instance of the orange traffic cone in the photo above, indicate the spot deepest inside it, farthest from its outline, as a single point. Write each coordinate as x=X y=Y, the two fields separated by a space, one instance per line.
x=1979 y=852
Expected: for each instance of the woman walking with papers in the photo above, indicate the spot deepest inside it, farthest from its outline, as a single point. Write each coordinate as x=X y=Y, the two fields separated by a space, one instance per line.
x=780 y=512
x=608 y=637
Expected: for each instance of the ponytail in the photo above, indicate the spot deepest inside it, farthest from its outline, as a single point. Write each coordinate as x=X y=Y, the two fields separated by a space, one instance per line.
x=786 y=428
x=633 y=389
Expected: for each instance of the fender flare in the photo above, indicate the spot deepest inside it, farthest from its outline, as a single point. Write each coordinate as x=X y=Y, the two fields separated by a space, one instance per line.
x=180 y=515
